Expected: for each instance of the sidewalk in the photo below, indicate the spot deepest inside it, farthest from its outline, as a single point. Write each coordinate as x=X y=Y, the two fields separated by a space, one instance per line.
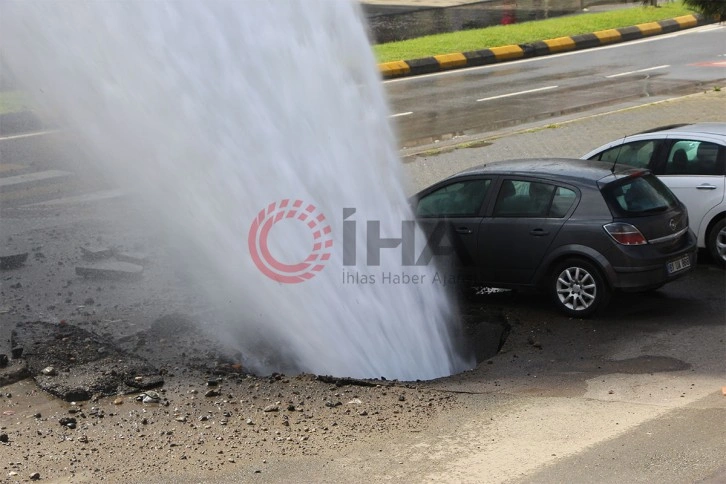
x=568 y=136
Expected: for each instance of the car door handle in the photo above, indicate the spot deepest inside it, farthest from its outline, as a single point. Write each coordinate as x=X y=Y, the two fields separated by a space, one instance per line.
x=706 y=186
x=463 y=230
x=538 y=232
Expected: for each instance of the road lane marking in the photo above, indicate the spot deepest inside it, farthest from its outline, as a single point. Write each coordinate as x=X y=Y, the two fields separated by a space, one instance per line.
x=546 y=88
x=398 y=115
x=638 y=71
x=32 y=177
x=86 y=197
x=28 y=135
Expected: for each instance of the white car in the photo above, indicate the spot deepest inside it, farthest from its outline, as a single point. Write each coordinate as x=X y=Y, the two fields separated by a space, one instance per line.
x=691 y=160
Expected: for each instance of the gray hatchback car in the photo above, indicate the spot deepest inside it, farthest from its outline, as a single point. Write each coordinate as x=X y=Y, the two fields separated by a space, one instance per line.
x=576 y=231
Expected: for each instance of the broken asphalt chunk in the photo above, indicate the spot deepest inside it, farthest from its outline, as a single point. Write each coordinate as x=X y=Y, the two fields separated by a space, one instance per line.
x=133 y=258
x=12 y=260
x=81 y=371
x=96 y=253
x=15 y=371
x=111 y=270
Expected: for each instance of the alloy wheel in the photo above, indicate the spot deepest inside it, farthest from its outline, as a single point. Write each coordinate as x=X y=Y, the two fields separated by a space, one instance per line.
x=576 y=289
x=721 y=244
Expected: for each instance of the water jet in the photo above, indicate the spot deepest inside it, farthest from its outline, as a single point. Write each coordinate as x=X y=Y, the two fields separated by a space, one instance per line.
x=206 y=113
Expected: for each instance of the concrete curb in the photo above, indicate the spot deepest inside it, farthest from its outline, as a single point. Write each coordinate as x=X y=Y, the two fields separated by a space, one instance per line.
x=445 y=62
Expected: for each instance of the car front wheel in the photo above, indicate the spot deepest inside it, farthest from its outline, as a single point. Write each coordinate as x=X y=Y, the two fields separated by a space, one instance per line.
x=577 y=288
x=716 y=242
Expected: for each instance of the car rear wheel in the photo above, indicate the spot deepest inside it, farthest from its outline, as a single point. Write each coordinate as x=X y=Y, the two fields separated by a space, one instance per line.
x=577 y=288
x=716 y=242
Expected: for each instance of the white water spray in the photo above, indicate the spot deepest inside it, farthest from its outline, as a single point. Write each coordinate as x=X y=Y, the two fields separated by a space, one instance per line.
x=210 y=111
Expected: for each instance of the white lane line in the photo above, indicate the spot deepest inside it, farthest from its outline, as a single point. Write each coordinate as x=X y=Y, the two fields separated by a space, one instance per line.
x=638 y=71
x=88 y=197
x=28 y=135
x=32 y=177
x=546 y=88
x=398 y=115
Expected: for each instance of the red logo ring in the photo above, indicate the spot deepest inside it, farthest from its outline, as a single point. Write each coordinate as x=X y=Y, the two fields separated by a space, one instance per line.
x=260 y=231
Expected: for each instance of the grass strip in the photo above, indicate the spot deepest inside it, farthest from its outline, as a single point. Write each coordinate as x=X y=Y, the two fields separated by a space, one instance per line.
x=500 y=35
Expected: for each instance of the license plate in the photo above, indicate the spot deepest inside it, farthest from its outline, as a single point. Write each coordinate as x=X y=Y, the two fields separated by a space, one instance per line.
x=679 y=264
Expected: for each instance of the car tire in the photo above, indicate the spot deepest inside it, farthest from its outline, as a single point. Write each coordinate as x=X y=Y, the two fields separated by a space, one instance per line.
x=578 y=288
x=716 y=242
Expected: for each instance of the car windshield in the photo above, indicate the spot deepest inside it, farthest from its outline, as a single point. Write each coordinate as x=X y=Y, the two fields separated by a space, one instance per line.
x=638 y=195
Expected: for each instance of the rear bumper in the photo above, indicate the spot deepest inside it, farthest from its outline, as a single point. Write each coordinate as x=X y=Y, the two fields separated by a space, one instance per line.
x=655 y=274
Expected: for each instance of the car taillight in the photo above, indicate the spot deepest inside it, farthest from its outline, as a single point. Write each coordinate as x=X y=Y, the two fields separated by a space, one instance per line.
x=625 y=234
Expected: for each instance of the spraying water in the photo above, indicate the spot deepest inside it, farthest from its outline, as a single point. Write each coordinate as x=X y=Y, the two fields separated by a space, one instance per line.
x=209 y=112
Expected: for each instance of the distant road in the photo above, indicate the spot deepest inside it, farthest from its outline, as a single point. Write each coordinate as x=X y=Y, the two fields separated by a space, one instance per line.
x=481 y=99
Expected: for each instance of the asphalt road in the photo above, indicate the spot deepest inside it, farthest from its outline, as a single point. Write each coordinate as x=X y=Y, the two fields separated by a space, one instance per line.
x=469 y=101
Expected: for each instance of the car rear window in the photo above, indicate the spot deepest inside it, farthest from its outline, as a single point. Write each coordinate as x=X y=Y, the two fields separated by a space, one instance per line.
x=638 y=195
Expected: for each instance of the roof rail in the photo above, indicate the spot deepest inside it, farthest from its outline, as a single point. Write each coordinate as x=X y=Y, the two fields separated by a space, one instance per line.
x=663 y=128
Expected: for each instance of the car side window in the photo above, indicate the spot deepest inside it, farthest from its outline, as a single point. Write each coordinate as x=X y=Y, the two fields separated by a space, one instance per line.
x=690 y=157
x=522 y=198
x=636 y=153
x=563 y=200
x=458 y=199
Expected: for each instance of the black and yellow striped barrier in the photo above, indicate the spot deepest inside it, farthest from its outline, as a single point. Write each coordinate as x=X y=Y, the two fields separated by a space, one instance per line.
x=494 y=55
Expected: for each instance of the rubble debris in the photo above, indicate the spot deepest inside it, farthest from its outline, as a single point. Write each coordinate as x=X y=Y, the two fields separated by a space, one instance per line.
x=48 y=371
x=150 y=397
x=345 y=381
x=69 y=422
